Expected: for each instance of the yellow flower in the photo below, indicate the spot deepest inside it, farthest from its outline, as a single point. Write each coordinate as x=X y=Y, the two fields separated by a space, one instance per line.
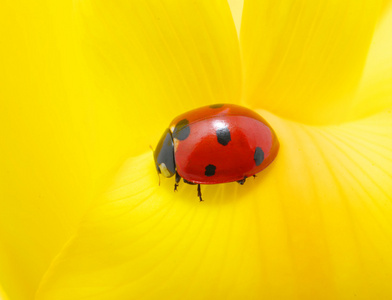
x=88 y=84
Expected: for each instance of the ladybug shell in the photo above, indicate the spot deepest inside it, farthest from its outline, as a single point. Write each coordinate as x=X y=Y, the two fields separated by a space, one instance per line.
x=222 y=143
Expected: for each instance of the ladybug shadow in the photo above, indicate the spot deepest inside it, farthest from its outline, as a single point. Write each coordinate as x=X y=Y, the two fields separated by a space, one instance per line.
x=215 y=194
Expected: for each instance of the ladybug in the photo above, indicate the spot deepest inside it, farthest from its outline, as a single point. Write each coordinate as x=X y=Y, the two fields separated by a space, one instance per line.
x=215 y=144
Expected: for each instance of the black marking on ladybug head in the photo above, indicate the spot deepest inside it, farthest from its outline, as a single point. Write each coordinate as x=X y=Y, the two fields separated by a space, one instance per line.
x=210 y=170
x=164 y=155
x=182 y=130
x=259 y=156
x=223 y=135
x=219 y=105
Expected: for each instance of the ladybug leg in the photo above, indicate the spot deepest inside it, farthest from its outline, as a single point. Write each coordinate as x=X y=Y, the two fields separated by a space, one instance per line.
x=199 y=192
x=254 y=176
x=178 y=178
x=188 y=182
x=192 y=183
x=242 y=181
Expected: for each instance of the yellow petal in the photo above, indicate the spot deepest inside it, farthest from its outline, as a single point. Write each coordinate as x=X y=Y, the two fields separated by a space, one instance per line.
x=316 y=224
x=59 y=139
x=3 y=296
x=236 y=7
x=158 y=58
x=375 y=90
x=303 y=60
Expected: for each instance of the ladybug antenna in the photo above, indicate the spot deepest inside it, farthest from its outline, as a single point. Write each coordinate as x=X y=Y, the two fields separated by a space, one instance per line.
x=159 y=177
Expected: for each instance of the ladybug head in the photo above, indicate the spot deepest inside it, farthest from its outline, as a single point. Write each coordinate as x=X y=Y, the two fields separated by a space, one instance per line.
x=164 y=155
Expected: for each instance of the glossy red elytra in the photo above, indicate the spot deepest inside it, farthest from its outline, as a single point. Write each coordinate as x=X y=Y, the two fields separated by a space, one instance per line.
x=216 y=144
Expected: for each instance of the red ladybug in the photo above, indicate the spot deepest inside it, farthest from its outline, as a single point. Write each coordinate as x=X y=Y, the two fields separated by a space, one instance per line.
x=216 y=144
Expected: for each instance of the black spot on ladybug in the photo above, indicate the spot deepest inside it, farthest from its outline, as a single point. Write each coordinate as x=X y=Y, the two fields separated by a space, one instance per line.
x=210 y=170
x=259 y=156
x=223 y=135
x=219 y=105
x=182 y=130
